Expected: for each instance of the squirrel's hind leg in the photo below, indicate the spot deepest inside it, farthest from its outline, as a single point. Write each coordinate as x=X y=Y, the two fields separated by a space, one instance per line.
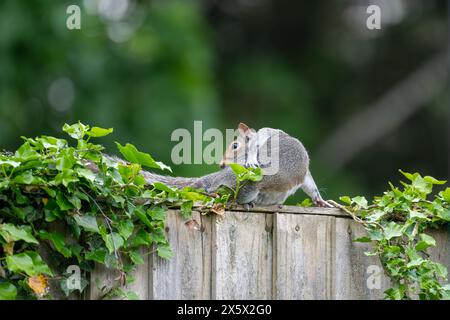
x=310 y=188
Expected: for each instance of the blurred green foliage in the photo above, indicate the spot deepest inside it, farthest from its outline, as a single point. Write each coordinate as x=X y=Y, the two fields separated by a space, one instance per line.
x=146 y=68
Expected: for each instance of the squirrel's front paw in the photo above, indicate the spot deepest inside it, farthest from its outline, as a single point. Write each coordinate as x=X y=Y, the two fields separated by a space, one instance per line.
x=252 y=164
x=248 y=206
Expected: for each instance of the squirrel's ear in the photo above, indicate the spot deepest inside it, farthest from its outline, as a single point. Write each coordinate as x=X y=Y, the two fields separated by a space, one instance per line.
x=243 y=129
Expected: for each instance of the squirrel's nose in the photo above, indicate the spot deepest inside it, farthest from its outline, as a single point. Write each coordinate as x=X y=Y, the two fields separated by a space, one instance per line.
x=222 y=164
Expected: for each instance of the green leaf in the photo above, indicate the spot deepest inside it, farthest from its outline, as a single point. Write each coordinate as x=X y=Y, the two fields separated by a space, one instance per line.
x=164 y=251
x=425 y=242
x=76 y=131
x=392 y=230
x=136 y=257
x=375 y=235
x=7 y=291
x=409 y=176
x=11 y=163
x=89 y=223
x=186 y=209
x=414 y=258
x=97 y=132
x=143 y=217
x=237 y=168
x=157 y=213
x=62 y=202
x=446 y=194
x=29 y=262
x=97 y=255
x=417 y=214
x=125 y=228
x=133 y=155
x=65 y=177
x=360 y=201
x=113 y=241
x=10 y=233
x=85 y=173
x=362 y=239
x=163 y=187
x=307 y=202
x=58 y=241
x=346 y=199
x=27 y=177
x=433 y=180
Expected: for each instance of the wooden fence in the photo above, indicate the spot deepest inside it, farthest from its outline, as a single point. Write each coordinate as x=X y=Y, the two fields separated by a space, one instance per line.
x=268 y=253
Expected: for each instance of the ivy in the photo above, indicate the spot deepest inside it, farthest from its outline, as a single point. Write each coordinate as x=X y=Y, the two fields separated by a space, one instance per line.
x=105 y=208
x=396 y=224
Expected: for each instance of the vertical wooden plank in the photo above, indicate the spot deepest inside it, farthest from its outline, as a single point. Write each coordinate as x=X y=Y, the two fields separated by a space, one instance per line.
x=440 y=253
x=302 y=256
x=103 y=279
x=242 y=256
x=356 y=276
x=187 y=275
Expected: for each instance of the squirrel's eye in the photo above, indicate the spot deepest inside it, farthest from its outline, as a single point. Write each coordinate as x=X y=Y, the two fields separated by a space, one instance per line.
x=235 y=145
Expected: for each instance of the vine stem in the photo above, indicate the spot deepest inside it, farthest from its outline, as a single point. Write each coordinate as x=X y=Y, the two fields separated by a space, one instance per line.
x=107 y=220
x=352 y=214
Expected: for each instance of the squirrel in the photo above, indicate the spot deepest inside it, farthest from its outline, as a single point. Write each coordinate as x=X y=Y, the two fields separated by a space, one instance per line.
x=288 y=160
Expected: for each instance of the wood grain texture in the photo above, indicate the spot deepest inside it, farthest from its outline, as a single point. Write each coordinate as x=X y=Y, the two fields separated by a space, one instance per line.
x=356 y=276
x=187 y=275
x=303 y=256
x=242 y=256
x=288 y=253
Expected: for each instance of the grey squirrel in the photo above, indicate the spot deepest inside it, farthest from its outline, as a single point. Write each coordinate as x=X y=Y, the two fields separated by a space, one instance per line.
x=271 y=149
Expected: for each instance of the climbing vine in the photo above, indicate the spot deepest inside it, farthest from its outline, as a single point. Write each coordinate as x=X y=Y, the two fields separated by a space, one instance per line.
x=67 y=204
x=397 y=224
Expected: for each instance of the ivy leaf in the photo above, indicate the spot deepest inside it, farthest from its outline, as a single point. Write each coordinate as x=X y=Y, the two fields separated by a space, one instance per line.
x=163 y=187
x=133 y=155
x=89 y=223
x=392 y=230
x=414 y=258
x=186 y=209
x=446 y=194
x=409 y=176
x=362 y=239
x=10 y=233
x=113 y=241
x=164 y=251
x=97 y=132
x=58 y=241
x=425 y=242
x=346 y=200
x=85 y=173
x=157 y=213
x=360 y=201
x=76 y=131
x=7 y=291
x=143 y=217
x=237 y=168
x=136 y=257
x=125 y=228
x=307 y=202
x=11 y=163
x=433 y=180
x=29 y=262
x=97 y=255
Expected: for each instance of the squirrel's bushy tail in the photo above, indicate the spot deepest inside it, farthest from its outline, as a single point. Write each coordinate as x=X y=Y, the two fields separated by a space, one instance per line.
x=150 y=177
x=178 y=182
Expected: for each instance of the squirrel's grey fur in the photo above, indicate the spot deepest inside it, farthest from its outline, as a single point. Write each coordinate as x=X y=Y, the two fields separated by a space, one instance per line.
x=273 y=189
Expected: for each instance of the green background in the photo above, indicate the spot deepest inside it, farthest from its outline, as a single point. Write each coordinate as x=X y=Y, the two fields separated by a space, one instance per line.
x=146 y=68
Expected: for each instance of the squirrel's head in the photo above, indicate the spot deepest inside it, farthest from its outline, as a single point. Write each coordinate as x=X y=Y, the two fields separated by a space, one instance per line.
x=238 y=149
